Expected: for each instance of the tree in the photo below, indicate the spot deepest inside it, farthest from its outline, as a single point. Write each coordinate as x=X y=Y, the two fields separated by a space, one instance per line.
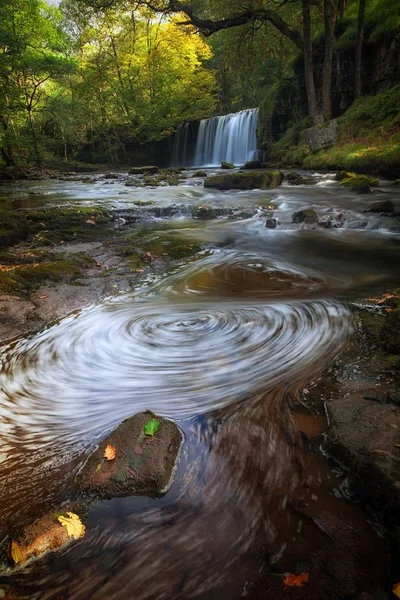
x=359 y=44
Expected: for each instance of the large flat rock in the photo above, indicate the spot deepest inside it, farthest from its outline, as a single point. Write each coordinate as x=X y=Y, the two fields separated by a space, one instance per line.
x=245 y=181
x=143 y=464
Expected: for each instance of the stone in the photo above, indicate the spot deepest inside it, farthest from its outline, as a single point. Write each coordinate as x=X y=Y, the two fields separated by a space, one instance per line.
x=245 y=181
x=253 y=164
x=111 y=176
x=396 y=182
x=271 y=223
x=143 y=465
x=389 y=336
x=335 y=221
x=203 y=211
x=384 y=206
x=344 y=175
x=323 y=136
x=200 y=174
x=149 y=170
x=303 y=181
x=307 y=215
x=227 y=165
x=359 y=183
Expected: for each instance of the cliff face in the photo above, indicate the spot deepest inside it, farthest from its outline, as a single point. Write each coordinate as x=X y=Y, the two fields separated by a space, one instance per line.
x=287 y=104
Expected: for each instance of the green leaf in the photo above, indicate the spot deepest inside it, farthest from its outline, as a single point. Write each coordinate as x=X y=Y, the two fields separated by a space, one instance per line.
x=397 y=445
x=151 y=427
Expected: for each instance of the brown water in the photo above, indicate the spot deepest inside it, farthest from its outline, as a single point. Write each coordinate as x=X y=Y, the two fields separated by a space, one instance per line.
x=226 y=346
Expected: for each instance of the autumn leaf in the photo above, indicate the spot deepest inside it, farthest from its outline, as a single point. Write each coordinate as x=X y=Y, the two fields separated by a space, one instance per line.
x=389 y=310
x=396 y=589
x=295 y=580
x=17 y=555
x=151 y=427
x=42 y=296
x=110 y=452
x=73 y=524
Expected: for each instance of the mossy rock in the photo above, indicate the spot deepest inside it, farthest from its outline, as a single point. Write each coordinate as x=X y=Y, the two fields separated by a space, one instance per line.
x=245 y=181
x=396 y=182
x=359 y=183
x=200 y=174
x=143 y=464
x=344 y=175
x=303 y=181
x=307 y=215
x=148 y=170
x=203 y=211
x=227 y=165
x=253 y=164
x=389 y=337
x=384 y=206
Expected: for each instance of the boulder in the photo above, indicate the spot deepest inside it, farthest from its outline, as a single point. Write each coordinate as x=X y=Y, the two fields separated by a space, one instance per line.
x=149 y=170
x=396 y=182
x=335 y=221
x=322 y=136
x=271 y=223
x=358 y=183
x=111 y=176
x=307 y=215
x=203 y=211
x=226 y=165
x=200 y=174
x=384 y=206
x=303 y=181
x=139 y=463
x=253 y=164
x=245 y=181
x=389 y=336
x=51 y=532
x=344 y=175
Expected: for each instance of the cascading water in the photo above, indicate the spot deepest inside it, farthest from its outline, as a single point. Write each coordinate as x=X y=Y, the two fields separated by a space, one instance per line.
x=231 y=138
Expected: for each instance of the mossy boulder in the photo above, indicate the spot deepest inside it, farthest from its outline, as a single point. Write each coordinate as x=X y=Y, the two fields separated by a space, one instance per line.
x=384 y=206
x=253 y=164
x=200 y=174
x=142 y=464
x=358 y=183
x=245 y=181
x=203 y=211
x=396 y=182
x=389 y=336
x=303 y=181
x=271 y=223
x=344 y=175
x=148 y=170
x=307 y=215
x=227 y=165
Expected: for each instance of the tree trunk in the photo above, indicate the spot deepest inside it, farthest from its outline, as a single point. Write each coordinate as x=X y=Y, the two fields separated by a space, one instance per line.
x=309 y=66
x=341 y=7
x=6 y=150
x=38 y=158
x=329 y=27
x=359 y=45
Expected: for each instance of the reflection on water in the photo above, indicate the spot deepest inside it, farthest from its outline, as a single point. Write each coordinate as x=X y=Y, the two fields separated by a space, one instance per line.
x=222 y=345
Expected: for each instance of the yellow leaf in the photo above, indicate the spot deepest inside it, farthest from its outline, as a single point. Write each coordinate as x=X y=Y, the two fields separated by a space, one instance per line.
x=110 y=452
x=73 y=524
x=16 y=553
x=396 y=589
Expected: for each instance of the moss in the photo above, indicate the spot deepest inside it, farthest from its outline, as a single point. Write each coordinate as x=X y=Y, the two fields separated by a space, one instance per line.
x=200 y=174
x=245 y=181
x=144 y=246
x=359 y=180
x=305 y=216
x=203 y=211
x=227 y=165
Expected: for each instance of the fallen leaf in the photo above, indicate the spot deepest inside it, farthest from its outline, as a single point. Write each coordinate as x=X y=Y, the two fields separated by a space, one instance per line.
x=139 y=270
x=98 y=468
x=91 y=221
x=397 y=445
x=16 y=553
x=98 y=264
x=396 y=589
x=151 y=427
x=42 y=296
x=73 y=524
x=389 y=310
x=110 y=452
x=295 y=580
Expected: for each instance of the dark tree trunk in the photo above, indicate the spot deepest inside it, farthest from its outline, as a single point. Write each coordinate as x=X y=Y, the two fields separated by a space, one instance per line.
x=359 y=45
x=341 y=8
x=309 y=66
x=329 y=28
x=6 y=150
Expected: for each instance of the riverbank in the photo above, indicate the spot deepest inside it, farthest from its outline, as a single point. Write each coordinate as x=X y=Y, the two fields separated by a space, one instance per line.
x=368 y=140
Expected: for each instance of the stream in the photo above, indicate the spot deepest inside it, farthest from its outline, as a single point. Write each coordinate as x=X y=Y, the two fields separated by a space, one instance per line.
x=228 y=345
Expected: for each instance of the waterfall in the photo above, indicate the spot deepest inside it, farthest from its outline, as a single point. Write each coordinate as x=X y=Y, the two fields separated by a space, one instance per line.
x=231 y=138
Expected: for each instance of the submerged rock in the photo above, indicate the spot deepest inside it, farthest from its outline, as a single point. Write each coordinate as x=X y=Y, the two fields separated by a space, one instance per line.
x=149 y=170
x=335 y=221
x=203 y=211
x=271 y=223
x=303 y=181
x=227 y=165
x=200 y=174
x=142 y=465
x=396 y=182
x=253 y=164
x=307 y=215
x=245 y=181
x=384 y=206
x=390 y=333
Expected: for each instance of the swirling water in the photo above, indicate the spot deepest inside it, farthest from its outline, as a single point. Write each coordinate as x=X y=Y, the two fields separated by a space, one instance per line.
x=220 y=345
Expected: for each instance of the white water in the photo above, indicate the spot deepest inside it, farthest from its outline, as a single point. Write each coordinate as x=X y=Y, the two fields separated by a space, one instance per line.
x=231 y=138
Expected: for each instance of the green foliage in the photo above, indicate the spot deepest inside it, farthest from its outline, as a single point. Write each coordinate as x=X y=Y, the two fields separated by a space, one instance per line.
x=151 y=427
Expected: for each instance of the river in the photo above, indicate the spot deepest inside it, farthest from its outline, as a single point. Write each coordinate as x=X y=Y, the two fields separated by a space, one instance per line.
x=228 y=345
